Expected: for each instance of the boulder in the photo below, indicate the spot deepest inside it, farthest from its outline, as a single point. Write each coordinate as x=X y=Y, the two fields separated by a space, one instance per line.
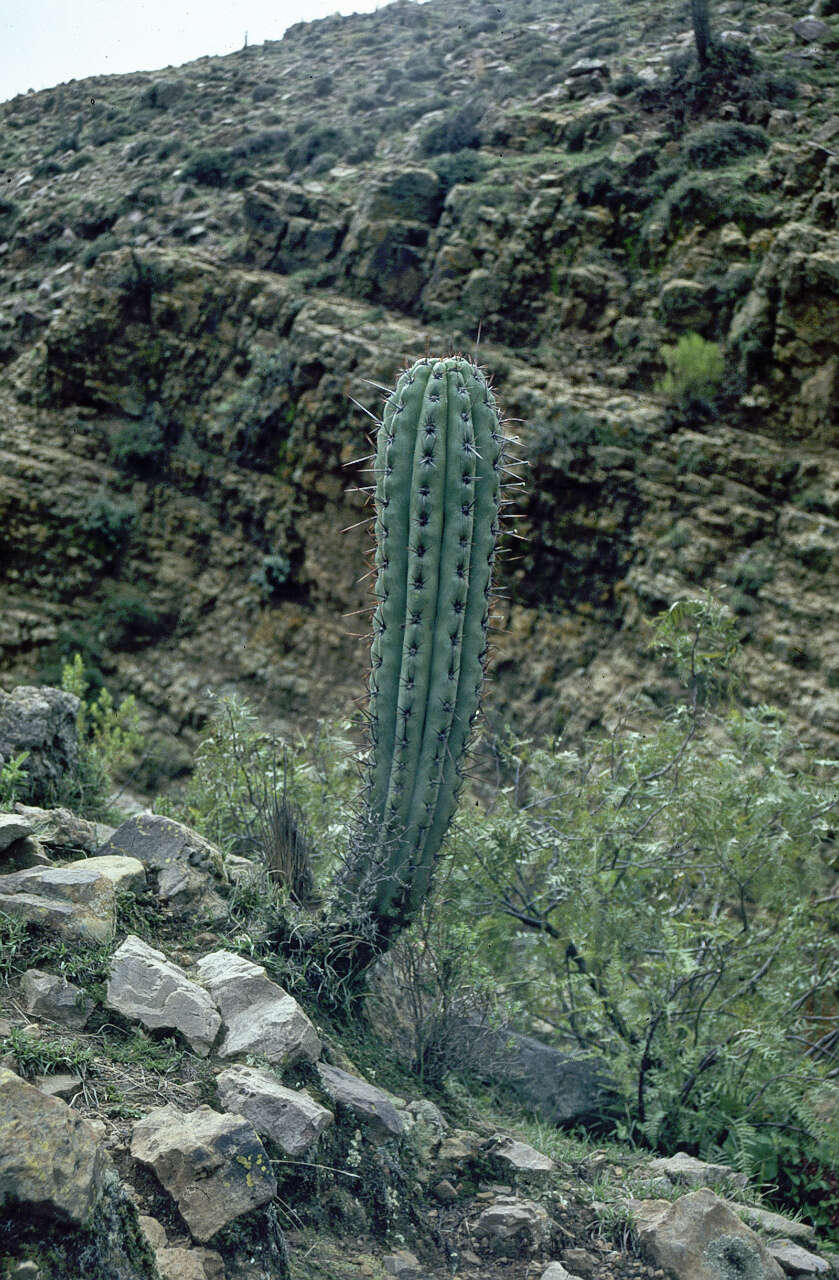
x=19 y=845
x=74 y=900
x=561 y=1089
x=775 y=1224
x=424 y=1112
x=289 y=1117
x=42 y=722
x=556 y=1271
x=160 y=842
x=150 y=989
x=184 y=861
x=796 y=1261
x=404 y=1265
x=518 y=1158
x=123 y=873
x=371 y=1108
x=213 y=1165
x=13 y=827
x=687 y=1170
x=51 y=1160
x=51 y=996
x=699 y=1237
x=62 y=831
x=258 y=1015
x=513 y=1226
x=811 y=30
x=685 y=304
x=189 y=1264
x=410 y=193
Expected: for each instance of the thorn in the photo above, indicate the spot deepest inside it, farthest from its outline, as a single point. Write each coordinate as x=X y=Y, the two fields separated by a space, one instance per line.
x=363 y=409
x=352 y=462
x=377 y=385
x=358 y=524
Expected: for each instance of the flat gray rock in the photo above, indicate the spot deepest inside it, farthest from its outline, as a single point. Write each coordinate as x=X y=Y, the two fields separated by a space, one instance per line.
x=258 y=1015
x=796 y=1261
x=776 y=1224
x=289 y=1117
x=51 y=996
x=123 y=873
x=62 y=830
x=371 y=1107
x=213 y=1165
x=147 y=988
x=13 y=827
x=511 y=1224
x=519 y=1157
x=687 y=1170
x=74 y=900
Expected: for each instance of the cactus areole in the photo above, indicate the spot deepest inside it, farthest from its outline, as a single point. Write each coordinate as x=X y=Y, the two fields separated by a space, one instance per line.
x=437 y=501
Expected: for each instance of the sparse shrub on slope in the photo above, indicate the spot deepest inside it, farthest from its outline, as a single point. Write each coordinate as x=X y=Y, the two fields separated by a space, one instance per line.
x=722 y=142
x=695 y=369
x=663 y=898
x=109 y=742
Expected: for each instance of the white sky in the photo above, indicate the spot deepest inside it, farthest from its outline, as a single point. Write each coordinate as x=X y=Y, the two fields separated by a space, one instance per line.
x=46 y=42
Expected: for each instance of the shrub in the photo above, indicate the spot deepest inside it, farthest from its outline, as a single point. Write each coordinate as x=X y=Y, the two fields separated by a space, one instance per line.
x=720 y=143
x=109 y=742
x=695 y=369
x=107 y=527
x=130 y=622
x=139 y=446
x=661 y=896
x=214 y=167
x=105 y=243
x=250 y=790
x=439 y=1000
x=457 y=132
x=272 y=575
x=313 y=141
x=461 y=166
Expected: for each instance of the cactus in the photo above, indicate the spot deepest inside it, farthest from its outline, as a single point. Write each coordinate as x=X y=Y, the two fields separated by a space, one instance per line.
x=437 y=499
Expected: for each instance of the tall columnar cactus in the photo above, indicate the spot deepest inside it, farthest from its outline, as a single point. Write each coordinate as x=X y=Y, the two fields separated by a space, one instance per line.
x=437 y=498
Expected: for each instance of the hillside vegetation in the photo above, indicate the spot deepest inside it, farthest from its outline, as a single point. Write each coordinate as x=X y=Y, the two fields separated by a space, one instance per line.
x=607 y=1047
x=201 y=268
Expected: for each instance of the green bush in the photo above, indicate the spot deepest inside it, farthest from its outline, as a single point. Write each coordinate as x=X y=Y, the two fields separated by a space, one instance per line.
x=107 y=527
x=272 y=575
x=240 y=771
x=695 y=369
x=139 y=446
x=457 y=132
x=722 y=142
x=662 y=896
x=109 y=742
x=130 y=622
x=215 y=167
x=460 y=166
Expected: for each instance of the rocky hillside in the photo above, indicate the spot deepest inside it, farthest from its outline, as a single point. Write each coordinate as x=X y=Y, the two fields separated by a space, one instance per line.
x=202 y=270
x=171 y=1109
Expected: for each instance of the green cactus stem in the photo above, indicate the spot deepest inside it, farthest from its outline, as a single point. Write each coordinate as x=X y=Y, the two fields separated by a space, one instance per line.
x=437 y=496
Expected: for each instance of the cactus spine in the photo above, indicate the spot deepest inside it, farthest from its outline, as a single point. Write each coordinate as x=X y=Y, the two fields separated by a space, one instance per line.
x=437 y=518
